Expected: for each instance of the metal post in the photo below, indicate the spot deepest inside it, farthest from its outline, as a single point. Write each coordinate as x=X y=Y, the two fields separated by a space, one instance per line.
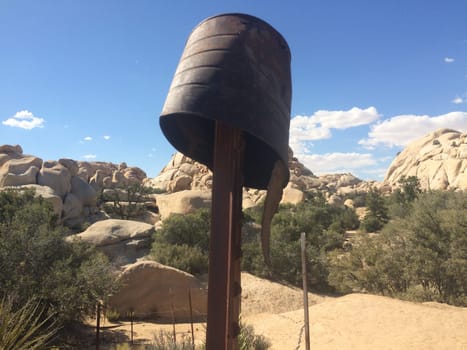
x=224 y=289
x=98 y=324
x=131 y=326
x=174 y=333
x=191 y=319
x=305 y=291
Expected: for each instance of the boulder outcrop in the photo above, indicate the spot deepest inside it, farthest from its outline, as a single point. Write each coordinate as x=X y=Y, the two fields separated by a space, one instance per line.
x=183 y=174
x=183 y=202
x=75 y=184
x=439 y=160
x=123 y=241
x=154 y=291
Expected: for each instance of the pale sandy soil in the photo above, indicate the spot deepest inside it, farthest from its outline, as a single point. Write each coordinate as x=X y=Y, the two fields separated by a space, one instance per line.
x=355 y=321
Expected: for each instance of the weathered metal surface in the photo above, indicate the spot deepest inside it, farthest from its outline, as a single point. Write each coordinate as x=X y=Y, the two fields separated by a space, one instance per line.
x=224 y=291
x=235 y=68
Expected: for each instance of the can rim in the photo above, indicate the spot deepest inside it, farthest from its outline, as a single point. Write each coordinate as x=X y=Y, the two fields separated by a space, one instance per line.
x=250 y=17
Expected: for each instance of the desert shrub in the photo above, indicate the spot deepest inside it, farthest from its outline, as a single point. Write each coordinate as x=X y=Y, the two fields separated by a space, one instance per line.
x=248 y=340
x=181 y=256
x=324 y=226
x=183 y=242
x=25 y=327
x=66 y=278
x=400 y=201
x=127 y=202
x=371 y=223
x=376 y=213
x=422 y=256
x=164 y=340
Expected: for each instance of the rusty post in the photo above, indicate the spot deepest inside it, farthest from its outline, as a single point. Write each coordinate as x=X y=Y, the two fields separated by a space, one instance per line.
x=174 y=332
x=305 y=291
x=191 y=319
x=224 y=289
x=131 y=326
x=98 y=324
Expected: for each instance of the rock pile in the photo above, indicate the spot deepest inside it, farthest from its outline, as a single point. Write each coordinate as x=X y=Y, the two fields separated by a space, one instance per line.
x=71 y=186
x=188 y=185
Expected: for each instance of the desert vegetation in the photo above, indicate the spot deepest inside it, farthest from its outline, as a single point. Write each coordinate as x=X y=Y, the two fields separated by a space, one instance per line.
x=53 y=281
x=417 y=249
x=410 y=245
x=419 y=255
x=127 y=201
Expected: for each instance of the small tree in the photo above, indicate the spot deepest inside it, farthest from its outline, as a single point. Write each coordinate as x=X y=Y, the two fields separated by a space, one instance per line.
x=376 y=214
x=127 y=202
x=400 y=202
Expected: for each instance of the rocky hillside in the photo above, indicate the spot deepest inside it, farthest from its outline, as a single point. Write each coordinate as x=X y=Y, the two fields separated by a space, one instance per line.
x=439 y=160
x=183 y=174
x=71 y=186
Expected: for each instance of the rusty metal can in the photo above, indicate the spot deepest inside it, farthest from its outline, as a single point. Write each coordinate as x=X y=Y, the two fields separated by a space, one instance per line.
x=235 y=68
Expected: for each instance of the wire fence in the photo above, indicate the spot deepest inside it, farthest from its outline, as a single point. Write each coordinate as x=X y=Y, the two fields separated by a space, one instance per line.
x=115 y=321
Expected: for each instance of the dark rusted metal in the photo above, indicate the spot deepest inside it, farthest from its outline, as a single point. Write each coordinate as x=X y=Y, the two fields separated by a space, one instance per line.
x=236 y=69
x=229 y=107
x=224 y=291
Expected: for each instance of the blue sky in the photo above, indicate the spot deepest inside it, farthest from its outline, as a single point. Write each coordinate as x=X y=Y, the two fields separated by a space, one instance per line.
x=87 y=79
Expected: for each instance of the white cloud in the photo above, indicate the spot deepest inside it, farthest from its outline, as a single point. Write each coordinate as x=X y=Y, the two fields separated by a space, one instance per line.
x=458 y=100
x=449 y=59
x=402 y=129
x=24 y=120
x=304 y=129
x=88 y=138
x=345 y=119
x=90 y=156
x=336 y=162
x=106 y=137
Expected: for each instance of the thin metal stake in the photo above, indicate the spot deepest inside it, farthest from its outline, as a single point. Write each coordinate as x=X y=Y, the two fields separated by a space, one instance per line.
x=173 y=314
x=191 y=319
x=98 y=325
x=305 y=291
x=131 y=326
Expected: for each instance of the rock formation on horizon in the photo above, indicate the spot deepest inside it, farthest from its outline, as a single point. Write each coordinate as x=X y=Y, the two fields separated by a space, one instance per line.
x=71 y=186
x=189 y=183
x=438 y=160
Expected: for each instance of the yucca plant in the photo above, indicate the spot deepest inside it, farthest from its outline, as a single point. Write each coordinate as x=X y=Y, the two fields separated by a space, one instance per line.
x=25 y=328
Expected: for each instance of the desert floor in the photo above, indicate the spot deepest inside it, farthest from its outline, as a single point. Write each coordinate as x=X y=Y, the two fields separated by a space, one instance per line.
x=355 y=321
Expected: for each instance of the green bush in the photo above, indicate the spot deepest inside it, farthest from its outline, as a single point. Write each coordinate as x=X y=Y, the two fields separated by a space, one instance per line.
x=181 y=256
x=324 y=226
x=376 y=212
x=183 y=242
x=37 y=263
x=371 y=223
x=127 y=202
x=401 y=200
x=421 y=256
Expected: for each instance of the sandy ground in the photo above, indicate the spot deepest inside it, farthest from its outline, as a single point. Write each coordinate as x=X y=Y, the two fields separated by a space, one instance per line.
x=355 y=321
